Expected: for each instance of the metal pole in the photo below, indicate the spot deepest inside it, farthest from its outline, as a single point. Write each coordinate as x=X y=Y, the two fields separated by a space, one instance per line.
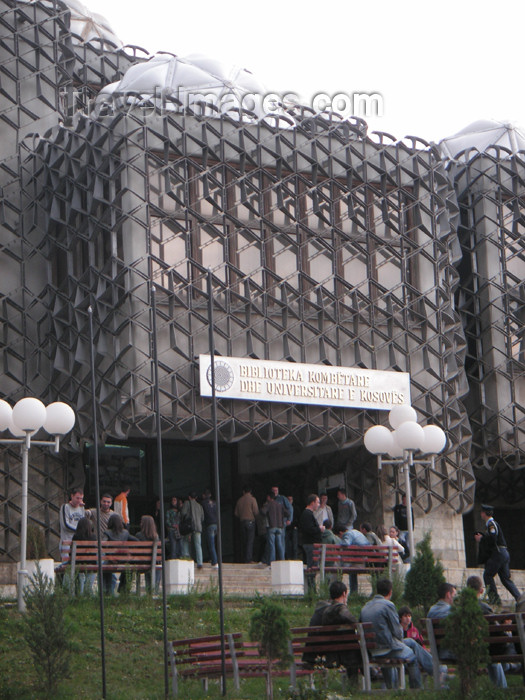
x=97 y=496
x=408 y=461
x=22 y=572
x=217 y=476
x=161 y=484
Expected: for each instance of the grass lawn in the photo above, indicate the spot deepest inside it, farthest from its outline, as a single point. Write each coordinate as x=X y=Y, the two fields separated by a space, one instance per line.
x=134 y=649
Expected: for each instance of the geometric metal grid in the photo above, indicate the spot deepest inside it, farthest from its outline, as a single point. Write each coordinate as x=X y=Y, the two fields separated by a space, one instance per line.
x=46 y=74
x=491 y=191
x=326 y=247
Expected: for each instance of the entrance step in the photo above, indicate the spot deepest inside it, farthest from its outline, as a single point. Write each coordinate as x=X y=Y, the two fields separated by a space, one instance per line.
x=237 y=579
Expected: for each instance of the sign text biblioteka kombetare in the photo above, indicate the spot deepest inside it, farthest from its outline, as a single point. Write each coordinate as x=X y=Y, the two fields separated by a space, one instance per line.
x=313 y=384
x=291 y=382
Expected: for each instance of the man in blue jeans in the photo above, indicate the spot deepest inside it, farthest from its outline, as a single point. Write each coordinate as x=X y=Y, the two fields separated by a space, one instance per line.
x=274 y=511
x=382 y=613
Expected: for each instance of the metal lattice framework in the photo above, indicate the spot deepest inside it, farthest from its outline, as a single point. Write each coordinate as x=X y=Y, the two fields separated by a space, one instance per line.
x=491 y=189
x=326 y=247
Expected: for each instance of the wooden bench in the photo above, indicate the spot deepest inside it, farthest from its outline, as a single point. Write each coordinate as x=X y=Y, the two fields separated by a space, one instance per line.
x=504 y=629
x=201 y=658
x=354 y=559
x=333 y=639
x=117 y=557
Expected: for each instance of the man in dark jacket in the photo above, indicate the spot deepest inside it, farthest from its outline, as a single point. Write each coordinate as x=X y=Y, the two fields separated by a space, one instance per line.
x=310 y=530
x=335 y=612
x=493 y=553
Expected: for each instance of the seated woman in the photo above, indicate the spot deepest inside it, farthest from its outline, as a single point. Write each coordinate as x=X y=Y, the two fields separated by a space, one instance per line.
x=148 y=533
x=385 y=538
x=116 y=532
x=84 y=532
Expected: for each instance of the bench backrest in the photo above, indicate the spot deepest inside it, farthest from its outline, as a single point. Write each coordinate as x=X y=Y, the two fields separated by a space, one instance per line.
x=503 y=629
x=203 y=655
x=369 y=557
x=140 y=556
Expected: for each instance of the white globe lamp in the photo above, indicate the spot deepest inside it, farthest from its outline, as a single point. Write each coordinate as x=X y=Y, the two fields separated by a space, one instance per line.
x=29 y=414
x=435 y=439
x=401 y=414
x=60 y=418
x=409 y=435
x=6 y=415
x=378 y=439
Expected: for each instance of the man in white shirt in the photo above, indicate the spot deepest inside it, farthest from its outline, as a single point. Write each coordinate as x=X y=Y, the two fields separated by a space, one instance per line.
x=70 y=514
x=324 y=512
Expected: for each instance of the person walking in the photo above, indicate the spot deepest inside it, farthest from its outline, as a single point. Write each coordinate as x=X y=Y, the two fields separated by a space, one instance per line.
x=494 y=555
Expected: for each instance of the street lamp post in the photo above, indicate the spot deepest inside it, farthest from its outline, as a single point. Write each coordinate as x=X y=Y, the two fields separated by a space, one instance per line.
x=400 y=444
x=23 y=421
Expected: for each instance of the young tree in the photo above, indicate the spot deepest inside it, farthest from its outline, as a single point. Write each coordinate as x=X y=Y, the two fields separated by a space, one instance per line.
x=270 y=628
x=424 y=576
x=466 y=630
x=46 y=631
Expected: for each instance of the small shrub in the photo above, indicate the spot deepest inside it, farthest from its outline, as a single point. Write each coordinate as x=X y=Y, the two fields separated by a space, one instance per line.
x=269 y=627
x=425 y=575
x=36 y=543
x=466 y=629
x=46 y=632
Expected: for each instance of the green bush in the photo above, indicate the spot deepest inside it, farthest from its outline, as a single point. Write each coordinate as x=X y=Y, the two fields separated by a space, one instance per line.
x=269 y=626
x=46 y=632
x=424 y=576
x=466 y=629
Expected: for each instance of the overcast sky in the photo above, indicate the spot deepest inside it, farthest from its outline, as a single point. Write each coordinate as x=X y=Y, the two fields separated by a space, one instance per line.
x=438 y=66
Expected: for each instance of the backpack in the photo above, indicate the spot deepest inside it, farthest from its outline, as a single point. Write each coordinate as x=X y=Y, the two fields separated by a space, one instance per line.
x=186 y=524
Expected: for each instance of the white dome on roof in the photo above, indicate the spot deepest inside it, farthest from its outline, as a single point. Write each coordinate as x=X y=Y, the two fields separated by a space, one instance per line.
x=482 y=135
x=210 y=88
x=87 y=25
x=205 y=85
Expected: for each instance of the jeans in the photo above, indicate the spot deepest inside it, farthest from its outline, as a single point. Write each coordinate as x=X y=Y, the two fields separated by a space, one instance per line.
x=211 y=532
x=275 y=543
x=85 y=583
x=423 y=657
x=197 y=546
x=406 y=653
x=247 y=539
x=175 y=545
x=497 y=675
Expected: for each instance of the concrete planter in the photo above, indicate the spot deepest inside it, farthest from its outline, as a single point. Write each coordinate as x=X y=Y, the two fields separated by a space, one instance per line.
x=47 y=567
x=288 y=577
x=180 y=576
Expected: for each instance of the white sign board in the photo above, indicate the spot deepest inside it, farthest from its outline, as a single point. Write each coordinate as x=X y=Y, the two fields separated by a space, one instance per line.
x=291 y=382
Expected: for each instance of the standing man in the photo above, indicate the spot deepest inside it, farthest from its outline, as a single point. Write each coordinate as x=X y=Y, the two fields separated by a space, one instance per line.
x=121 y=504
x=209 y=507
x=287 y=514
x=192 y=509
x=324 y=512
x=382 y=613
x=106 y=502
x=311 y=531
x=70 y=514
x=493 y=553
x=346 y=512
x=247 y=510
x=274 y=510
